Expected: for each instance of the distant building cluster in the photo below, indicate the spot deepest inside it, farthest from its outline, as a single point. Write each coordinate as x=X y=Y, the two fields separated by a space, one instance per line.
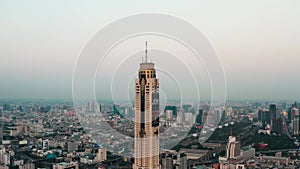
x=35 y=136
x=52 y=136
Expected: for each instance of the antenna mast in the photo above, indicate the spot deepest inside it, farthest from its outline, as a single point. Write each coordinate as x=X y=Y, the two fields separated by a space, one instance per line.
x=146 y=57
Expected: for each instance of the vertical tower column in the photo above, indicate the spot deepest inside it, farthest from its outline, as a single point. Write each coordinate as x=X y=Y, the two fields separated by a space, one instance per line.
x=146 y=124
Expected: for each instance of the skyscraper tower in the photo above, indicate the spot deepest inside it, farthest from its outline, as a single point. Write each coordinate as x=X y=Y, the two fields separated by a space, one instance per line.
x=295 y=120
x=146 y=124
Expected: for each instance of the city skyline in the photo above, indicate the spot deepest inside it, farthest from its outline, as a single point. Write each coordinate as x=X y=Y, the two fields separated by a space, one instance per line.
x=254 y=40
x=149 y=84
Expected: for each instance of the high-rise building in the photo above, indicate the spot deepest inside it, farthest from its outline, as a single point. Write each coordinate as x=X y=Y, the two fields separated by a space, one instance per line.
x=169 y=114
x=180 y=117
x=146 y=124
x=90 y=106
x=276 y=124
x=261 y=116
x=222 y=120
x=289 y=115
x=233 y=148
x=295 y=120
x=204 y=117
x=173 y=108
x=265 y=117
x=274 y=111
x=199 y=117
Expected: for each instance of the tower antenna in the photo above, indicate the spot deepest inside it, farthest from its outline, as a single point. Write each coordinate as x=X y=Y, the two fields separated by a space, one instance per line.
x=146 y=52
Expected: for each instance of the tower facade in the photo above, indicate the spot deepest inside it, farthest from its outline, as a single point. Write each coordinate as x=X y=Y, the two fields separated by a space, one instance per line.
x=146 y=124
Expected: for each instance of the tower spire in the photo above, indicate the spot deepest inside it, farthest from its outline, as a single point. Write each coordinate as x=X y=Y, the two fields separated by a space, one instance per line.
x=146 y=52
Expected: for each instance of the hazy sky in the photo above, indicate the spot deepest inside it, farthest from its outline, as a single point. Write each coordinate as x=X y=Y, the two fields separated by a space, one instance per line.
x=257 y=41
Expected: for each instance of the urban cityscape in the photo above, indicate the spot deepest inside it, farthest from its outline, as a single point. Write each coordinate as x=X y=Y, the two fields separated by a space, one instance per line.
x=245 y=134
x=100 y=105
x=250 y=135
